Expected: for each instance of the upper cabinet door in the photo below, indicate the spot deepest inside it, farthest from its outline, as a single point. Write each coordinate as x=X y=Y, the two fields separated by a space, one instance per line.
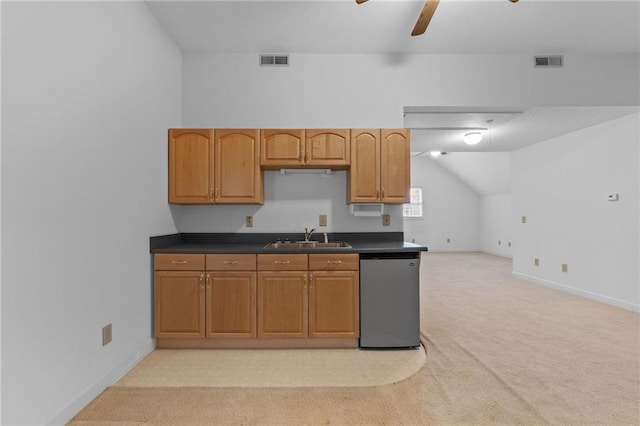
x=191 y=158
x=327 y=147
x=282 y=148
x=364 y=174
x=238 y=176
x=395 y=173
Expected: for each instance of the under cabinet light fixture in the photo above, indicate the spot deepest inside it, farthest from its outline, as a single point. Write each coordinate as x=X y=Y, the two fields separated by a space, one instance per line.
x=323 y=172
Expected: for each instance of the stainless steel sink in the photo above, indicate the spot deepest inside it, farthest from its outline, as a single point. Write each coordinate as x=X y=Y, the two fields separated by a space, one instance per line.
x=308 y=245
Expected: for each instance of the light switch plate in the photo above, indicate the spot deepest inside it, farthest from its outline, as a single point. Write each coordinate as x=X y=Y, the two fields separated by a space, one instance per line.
x=248 y=222
x=322 y=220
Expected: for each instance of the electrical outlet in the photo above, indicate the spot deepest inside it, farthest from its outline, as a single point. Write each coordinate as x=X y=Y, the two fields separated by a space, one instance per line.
x=565 y=267
x=499 y=242
x=106 y=334
x=248 y=221
x=524 y=219
x=448 y=240
x=322 y=220
x=386 y=220
x=536 y=261
x=509 y=243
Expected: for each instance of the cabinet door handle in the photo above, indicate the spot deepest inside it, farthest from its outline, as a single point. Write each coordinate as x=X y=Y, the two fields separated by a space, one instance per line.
x=202 y=281
x=216 y=194
x=179 y=262
x=230 y=262
x=383 y=193
x=334 y=262
x=210 y=192
x=208 y=281
x=300 y=157
x=377 y=193
x=281 y=262
x=311 y=281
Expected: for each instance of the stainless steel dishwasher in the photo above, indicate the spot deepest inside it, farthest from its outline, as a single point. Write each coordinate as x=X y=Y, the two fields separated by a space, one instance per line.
x=390 y=300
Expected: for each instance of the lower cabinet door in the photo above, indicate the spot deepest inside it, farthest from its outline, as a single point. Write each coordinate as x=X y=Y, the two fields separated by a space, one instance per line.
x=231 y=304
x=179 y=304
x=334 y=304
x=282 y=304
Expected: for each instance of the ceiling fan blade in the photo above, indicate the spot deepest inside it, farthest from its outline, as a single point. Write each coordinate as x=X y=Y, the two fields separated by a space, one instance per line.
x=425 y=17
x=362 y=1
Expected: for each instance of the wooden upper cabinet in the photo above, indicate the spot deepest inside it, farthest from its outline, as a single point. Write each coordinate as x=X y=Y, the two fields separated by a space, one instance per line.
x=191 y=159
x=395 y=166
x=380 y=167
x=327 y=147
x=282 y=148
x=238 y=178
x=364 y=174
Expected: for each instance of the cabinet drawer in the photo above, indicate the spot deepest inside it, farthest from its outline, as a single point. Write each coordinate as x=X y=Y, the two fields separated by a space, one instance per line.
x=231 y=262
x=334 y=262
x=282 y=262
x=178 y=262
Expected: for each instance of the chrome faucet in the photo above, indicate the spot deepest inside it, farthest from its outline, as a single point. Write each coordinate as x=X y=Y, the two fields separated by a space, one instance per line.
x=308 y=233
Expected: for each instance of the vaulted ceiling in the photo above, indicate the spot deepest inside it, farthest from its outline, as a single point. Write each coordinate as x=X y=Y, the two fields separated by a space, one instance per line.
x=458 y=27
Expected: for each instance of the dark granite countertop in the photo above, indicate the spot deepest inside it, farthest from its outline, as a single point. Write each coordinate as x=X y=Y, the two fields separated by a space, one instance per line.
x=362 y=242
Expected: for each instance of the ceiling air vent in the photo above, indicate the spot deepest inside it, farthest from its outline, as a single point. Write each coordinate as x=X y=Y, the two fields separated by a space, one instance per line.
x=547 y=61
x=274 y=60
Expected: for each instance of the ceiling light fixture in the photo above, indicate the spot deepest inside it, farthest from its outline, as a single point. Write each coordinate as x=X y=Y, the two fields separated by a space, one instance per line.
x=472 y=138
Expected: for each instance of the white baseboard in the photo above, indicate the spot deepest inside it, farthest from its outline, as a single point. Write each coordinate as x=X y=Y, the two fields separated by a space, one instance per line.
x=579 y=292
x=109 y=379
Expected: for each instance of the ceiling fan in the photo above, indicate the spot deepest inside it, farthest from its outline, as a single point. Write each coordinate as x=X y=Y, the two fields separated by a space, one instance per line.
x=426 y=14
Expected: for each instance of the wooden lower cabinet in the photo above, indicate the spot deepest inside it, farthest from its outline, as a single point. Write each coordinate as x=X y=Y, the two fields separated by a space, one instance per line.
x=246 y=296
x=179 y=309
x=334 y=304
x=231 y=304
x=282 y=304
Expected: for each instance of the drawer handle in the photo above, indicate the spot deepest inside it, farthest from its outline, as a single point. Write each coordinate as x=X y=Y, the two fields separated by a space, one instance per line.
x=180 y=262
x=334 y=262
x=282 y=262
x=230 y=262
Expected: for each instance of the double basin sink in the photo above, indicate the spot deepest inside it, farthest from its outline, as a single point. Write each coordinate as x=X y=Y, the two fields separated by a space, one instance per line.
x=308 y=245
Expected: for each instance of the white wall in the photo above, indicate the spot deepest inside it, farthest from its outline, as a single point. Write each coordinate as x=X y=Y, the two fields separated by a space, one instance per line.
x=323 y=90
x=451 y=210
x=88 y=92
x=495 y=225
x=561 y=186
x=291 y=203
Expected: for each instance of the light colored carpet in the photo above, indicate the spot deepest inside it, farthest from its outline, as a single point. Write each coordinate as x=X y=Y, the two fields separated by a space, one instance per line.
x=272 y=367
x=499 y=351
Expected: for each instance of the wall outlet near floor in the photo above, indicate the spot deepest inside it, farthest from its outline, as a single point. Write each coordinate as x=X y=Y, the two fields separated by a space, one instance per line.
x=536 y=261
x=322 y=220
x=248 y=221
x=386 y=220
x=524 y=219
x=565 y=267
x=509 y=243
x=106 y=334
x=499 y=242
x=448 y=240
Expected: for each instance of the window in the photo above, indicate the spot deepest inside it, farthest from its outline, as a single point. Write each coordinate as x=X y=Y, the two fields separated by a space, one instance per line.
x=414 y=207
